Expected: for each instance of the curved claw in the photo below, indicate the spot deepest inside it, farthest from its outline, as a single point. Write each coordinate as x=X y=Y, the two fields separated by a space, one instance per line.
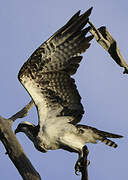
x=77 y=168
x=77 y=173
x=82 y=162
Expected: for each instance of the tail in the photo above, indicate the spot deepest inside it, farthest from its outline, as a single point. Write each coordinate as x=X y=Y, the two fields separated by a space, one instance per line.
x=99 y=135
x=109 y=142
x=104 y=135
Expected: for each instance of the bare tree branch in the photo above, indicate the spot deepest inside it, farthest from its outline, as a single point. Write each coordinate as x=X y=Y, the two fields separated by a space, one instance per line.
x=85 y=162
x=104 y=38
x=23 y=112
x=15 y=151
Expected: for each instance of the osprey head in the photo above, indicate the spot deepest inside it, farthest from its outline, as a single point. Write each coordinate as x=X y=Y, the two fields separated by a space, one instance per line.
x=26 y=127
x=29 y=129
x=31 y=132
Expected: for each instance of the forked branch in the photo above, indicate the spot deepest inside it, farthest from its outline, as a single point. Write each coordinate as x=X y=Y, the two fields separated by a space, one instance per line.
x=23 y=112
x=13 y=147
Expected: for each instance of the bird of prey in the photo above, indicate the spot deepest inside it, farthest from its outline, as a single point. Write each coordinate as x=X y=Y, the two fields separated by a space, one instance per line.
x=46 y=76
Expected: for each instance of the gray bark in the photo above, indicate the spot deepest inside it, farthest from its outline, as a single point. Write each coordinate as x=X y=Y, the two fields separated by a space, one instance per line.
x=14 y=149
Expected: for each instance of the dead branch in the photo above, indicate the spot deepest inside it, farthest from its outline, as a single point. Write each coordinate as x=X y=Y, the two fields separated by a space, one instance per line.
x=15 y=151
x=23 y=112
x=104 y=38
x=84 y=169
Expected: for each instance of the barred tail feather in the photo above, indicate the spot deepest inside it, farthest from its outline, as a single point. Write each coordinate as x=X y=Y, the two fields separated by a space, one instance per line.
x=109 y=135
x=95 y=135
x=104 y=135
x=109 y=142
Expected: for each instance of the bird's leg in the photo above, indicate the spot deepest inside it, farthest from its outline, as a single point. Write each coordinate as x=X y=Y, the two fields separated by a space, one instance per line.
x=82 y=161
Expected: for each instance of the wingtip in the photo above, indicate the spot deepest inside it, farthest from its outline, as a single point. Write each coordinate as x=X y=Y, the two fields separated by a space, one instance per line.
x=120 y=136
x=90 y=9
x=88 y=12
x=78 y=12
x=117 y=136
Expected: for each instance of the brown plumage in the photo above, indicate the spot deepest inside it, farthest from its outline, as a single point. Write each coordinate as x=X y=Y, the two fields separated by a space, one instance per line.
x=46 y=75
x=52 y=64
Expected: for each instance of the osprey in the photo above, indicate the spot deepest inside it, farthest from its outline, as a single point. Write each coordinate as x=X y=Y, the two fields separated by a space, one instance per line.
x=46 y=76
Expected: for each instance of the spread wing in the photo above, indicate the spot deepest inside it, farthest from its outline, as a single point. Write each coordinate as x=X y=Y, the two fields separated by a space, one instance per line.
x=46 y=75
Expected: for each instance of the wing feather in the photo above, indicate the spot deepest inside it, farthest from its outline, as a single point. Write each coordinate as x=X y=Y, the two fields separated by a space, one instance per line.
x=68 y=42
x=46 y=74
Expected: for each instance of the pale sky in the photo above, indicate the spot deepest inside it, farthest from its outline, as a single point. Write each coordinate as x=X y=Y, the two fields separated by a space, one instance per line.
x=101 y=83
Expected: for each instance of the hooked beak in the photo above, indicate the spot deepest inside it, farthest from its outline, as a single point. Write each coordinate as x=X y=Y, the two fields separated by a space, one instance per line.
x=16 y=131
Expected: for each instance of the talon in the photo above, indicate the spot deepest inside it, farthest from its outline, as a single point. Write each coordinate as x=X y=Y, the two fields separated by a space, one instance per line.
x=77 y=172
x=79 y=165
x=77 y=168
x=82 y=162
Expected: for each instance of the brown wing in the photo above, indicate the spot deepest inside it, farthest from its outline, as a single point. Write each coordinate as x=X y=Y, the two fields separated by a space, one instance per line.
x=46 y=74
x=59 y=88
x=58 y=52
